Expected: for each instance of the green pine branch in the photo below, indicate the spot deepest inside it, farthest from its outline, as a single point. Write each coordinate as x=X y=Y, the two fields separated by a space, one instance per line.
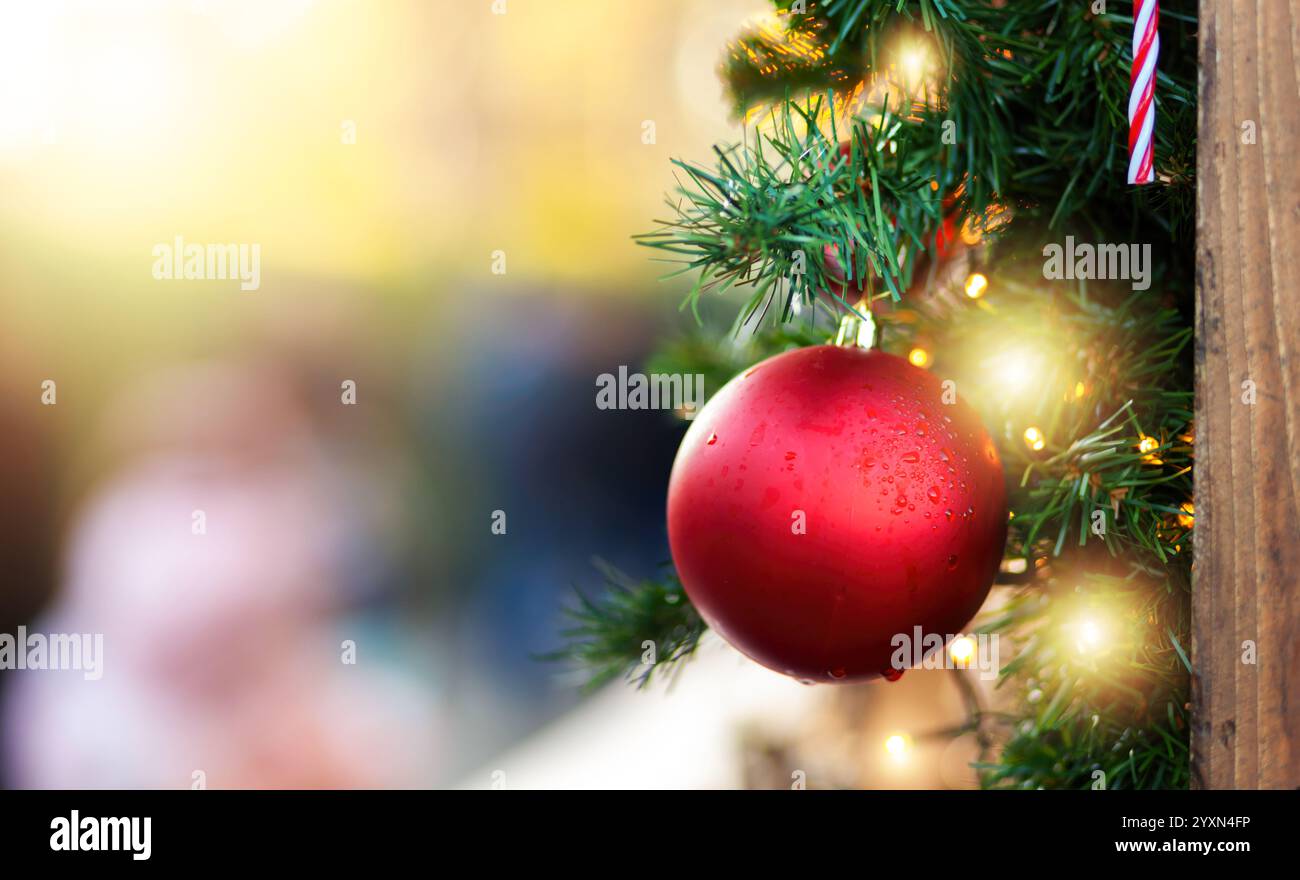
x=633 y=630
x=804 y=212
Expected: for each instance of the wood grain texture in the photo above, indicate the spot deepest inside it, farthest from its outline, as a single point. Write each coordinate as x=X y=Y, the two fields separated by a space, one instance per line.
x=1246 y=581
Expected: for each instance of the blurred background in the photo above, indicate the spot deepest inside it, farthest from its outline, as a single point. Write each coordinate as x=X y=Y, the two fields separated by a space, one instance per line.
x=386 y=156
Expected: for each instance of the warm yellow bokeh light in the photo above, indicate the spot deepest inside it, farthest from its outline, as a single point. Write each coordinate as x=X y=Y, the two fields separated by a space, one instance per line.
x=1147 y=446
x=962 y=650
x=1034 y=439
x=976 y=284
x=913 y=64
x=898 y=746
x=919 y=357
x=1016 y=369
x=1089 y=635
x=1187 y=517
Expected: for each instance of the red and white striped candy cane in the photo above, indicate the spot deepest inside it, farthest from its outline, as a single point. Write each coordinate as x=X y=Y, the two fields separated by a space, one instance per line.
x=1142 y=88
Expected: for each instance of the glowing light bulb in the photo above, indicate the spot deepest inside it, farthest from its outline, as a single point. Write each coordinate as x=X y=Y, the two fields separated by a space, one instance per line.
x=1187 y=515
x=976 y=284
x=1016 y=369
x=962 y=650
x=1034 y=439
x=1147 y=446
x=898 y=746
x=1089 y=635
x=919 y=357
x=914 y=61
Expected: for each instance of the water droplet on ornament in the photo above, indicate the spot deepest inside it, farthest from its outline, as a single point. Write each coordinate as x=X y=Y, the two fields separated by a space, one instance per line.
x=948 y=513
x=933 y=494
x=789 y=456
x=911 y=457
x=713 y=438
x=806 y=681
x=901 y=500
x=891 y=674
x=952 y=562
x=837 y=673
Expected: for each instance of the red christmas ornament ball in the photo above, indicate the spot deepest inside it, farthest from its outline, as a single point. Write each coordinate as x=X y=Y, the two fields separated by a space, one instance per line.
x=827 y=500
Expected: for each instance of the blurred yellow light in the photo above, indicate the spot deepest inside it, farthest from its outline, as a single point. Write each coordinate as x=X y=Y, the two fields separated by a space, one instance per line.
x=1018 y=565
x=962 y=650
x=1079 y=389
x=1089 y=635
x=976 y=284
x=1016 y=369
x=913 y=63
x=1187 y=518
x=898 y=746
x=919 y=357
x=1147 y=446
x=1034 y=439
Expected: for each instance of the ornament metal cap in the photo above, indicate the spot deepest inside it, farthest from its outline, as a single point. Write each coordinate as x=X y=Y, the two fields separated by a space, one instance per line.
x=857 y=330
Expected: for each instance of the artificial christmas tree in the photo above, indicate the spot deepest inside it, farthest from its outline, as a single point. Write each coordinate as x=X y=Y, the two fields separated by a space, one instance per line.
x=1003 y=128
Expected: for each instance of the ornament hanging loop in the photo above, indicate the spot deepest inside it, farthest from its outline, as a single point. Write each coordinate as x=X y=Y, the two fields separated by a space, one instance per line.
x=857 y=330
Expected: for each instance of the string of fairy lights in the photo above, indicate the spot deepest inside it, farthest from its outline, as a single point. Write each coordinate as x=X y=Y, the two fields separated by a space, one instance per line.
x=1090 y=630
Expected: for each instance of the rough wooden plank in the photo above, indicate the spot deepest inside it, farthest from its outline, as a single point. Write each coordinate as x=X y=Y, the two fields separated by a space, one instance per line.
x=1246 y=732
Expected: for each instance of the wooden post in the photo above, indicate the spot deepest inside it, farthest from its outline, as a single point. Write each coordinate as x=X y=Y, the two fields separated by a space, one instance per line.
x=1246 y=582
